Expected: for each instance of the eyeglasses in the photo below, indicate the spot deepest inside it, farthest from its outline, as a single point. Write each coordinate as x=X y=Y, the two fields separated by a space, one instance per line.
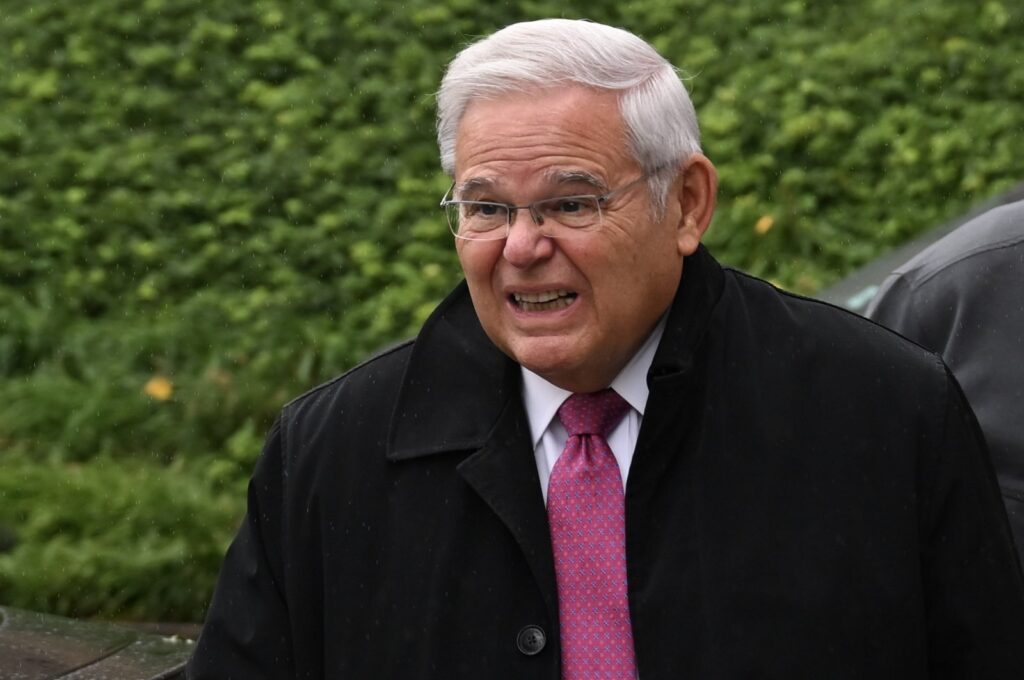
x=556 y=217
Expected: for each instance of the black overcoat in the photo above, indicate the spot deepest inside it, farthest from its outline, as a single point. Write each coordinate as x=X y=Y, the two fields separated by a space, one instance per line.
x=809 y=498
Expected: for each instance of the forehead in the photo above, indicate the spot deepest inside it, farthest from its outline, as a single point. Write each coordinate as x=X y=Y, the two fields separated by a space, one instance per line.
x=529 y=137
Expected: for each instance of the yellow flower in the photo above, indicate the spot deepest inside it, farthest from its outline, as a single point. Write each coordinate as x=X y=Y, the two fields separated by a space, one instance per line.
x=764 y=225
x=159 y=388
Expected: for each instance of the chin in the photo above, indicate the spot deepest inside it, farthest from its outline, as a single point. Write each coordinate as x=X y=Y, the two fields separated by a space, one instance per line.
x=566 y=369
x=544 y=357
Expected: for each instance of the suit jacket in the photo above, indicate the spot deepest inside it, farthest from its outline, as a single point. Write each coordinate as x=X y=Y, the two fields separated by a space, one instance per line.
x=809 y=498
x=962 y=297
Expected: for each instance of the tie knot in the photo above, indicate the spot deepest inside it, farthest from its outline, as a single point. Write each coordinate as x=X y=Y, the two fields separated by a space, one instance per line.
x=592 y=413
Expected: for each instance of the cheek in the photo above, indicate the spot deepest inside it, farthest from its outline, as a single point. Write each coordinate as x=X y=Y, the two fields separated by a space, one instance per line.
x=479 y=263
x=627 y=243
x=641 y=275
x=477 y=260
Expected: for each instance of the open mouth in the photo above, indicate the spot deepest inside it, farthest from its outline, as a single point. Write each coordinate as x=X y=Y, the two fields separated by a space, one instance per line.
x=543 y=302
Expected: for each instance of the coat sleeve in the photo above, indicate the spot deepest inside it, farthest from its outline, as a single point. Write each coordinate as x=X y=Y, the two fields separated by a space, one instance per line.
x=972 y=578
x=247 y=633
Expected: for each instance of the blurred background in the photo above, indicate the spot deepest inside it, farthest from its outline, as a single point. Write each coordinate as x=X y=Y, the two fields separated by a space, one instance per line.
x=209 y=206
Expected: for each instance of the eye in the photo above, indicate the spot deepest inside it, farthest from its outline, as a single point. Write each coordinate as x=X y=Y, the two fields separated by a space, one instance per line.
x=569 y=205
x=482 y=215
x=490 y=209
x=481 y=209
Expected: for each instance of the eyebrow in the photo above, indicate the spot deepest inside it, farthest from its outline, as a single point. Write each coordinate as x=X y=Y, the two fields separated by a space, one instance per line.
x=474 y=184
x=552 y=176
x=576 y=177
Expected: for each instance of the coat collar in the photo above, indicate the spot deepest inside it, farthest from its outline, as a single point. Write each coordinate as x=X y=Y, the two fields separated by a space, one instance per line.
x=455 y=386
x=458 y=384
x=690 y=315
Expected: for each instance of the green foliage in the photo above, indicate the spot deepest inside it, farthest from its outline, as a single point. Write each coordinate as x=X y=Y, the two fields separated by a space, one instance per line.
x=112 y=538
x=207 y=207
x=850 y=126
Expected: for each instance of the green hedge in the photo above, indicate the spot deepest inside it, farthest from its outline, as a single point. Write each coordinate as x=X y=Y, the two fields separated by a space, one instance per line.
x=208 y=206
x=113 y=538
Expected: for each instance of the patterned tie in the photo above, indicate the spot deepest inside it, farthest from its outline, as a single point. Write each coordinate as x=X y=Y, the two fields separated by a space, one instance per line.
x=588 y=536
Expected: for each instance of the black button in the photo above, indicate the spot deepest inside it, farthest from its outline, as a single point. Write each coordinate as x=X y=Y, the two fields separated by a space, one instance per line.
x=531 y=640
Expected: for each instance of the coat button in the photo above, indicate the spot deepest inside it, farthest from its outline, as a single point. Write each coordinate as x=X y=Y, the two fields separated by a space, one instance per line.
x=531 y=640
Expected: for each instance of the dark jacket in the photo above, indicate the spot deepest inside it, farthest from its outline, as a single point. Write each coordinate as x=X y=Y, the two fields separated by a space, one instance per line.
x=808 y=498
x=963 y=297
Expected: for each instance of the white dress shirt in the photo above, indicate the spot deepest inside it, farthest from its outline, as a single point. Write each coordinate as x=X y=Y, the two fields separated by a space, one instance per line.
x=542 y=400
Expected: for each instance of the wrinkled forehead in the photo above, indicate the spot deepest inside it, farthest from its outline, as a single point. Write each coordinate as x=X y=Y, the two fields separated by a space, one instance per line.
x=552 y=179
x=564 y=135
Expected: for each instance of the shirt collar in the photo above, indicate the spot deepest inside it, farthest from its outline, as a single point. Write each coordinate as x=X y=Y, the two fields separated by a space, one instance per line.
x=541 y=399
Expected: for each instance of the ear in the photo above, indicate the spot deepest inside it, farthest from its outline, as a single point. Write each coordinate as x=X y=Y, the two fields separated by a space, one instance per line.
x=696 y=189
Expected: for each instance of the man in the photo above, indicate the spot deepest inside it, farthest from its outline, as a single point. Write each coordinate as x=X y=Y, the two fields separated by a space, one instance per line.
x=771 y=488
x=963 y=297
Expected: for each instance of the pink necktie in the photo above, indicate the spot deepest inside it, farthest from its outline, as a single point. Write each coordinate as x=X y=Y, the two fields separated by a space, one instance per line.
x=588 y=536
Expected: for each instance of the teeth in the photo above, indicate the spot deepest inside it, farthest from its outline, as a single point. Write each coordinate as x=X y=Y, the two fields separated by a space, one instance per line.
x=548 y=300
x=546 y=296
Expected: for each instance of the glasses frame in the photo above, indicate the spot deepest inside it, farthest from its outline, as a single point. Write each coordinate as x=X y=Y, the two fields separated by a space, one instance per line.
x=535 y=215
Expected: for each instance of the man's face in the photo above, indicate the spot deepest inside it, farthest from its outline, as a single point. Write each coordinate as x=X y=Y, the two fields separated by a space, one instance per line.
x=608 y=287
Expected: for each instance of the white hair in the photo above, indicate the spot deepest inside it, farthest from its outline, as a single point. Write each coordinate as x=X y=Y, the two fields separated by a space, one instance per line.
x=661 y=124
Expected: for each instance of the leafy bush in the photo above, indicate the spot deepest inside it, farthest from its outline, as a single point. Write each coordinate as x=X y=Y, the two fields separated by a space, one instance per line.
x=208 y=206
x=113 y=538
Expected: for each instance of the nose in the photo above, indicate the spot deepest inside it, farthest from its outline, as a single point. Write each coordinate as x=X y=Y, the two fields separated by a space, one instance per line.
x=526 y=243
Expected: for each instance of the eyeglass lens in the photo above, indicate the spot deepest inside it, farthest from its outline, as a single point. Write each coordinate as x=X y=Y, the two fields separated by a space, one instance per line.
x=476 y=219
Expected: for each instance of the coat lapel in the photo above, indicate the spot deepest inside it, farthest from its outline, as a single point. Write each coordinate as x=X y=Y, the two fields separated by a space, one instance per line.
x=504 y=473
x=675 y=379
x=455 y=385
x=460 y=393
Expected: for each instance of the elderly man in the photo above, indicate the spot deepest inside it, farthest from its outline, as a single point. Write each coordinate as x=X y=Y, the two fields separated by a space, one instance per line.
x=604 y=456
